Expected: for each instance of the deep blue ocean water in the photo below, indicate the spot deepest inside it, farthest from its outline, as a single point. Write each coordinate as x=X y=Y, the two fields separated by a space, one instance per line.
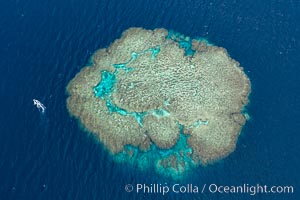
x=43 y=44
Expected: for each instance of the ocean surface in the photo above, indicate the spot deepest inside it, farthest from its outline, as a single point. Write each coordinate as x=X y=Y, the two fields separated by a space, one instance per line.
x=43 y=44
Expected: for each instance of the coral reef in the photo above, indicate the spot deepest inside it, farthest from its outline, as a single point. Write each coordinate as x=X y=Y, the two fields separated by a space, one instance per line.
x=151 y=90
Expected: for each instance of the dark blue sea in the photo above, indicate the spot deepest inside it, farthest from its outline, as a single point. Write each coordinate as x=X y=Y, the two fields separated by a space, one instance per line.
x=43 y=44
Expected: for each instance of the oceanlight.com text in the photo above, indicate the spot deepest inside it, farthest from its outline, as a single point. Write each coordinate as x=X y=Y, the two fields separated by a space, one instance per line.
x=250 y=189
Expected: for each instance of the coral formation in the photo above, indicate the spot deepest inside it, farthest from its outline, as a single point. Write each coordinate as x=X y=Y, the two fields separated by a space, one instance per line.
x=153 y=91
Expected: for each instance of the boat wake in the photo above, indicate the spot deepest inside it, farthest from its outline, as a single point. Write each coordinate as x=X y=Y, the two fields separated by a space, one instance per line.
x=39 y=105
x=44 y=121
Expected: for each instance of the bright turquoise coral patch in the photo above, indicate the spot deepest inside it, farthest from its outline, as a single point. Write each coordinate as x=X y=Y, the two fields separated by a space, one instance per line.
x=106 y=85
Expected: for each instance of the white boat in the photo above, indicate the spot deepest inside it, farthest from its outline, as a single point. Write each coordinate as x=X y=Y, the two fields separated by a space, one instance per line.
x=39 y=105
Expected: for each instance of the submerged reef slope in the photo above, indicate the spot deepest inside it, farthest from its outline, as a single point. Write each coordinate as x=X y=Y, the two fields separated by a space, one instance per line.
x=162 y=99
